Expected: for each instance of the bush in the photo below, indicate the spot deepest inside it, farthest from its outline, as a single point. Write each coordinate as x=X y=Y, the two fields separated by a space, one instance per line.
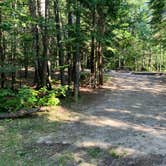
x=61 y=91
x=8 y=100
x=48 y=99
x=51 y=97
x=52 y=100
x=10 y=104
x=28 y=97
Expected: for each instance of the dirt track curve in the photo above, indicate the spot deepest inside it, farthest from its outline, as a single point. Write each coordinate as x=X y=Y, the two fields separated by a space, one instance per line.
x=127 y=116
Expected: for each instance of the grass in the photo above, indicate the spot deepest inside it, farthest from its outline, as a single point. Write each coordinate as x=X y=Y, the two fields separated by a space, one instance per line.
x=18 y=138
x=65 y=159
x=115 y=154
x=95 y=152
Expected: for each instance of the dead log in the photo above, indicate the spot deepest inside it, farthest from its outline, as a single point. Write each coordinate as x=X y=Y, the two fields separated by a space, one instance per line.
x=18 y=114
x=148 y=73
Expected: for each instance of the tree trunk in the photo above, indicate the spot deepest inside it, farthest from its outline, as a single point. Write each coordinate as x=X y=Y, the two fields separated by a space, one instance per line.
x=59 y=41
x=160 y=58
x=150 y=59
x=26 y=59
x=77 y=53
x=45 y=68
x=69 y=45
x=38 y=70
x=100 y=64
x=13 y=51
x=2 y=53
x=143 y=61
x=35 y=47
x=101 y=31
x=92 y=57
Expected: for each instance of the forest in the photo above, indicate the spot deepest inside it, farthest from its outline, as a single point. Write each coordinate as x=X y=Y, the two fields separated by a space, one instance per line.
x=52 y=51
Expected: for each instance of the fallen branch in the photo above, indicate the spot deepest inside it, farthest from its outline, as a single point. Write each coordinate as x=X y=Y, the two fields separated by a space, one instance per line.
x=148 y=73
x=19 y=113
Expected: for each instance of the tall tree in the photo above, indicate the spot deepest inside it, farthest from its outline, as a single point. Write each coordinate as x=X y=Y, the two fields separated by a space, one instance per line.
x=35 y=48
x=2 y=54
x=59 y=41
x=69 y=43
x=77 y=62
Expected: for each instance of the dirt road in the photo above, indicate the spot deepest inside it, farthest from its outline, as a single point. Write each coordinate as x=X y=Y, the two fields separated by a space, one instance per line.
x=125 y=124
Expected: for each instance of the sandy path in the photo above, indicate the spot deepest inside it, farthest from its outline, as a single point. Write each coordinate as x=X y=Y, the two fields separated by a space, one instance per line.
x=129 y=115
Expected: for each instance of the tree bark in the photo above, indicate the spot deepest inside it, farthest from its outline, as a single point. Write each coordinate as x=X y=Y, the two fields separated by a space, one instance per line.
x=92 y=57
x=77 y=53
x=35 y=47
x=59 y=41
x=101 y=31
x=18 y=114
x=13 y=51
x=69 y=46
x=45 y=75
x=2 y=53
x=100 y=64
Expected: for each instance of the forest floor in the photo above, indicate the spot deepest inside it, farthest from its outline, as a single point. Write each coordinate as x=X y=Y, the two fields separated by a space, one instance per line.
x=121 y=124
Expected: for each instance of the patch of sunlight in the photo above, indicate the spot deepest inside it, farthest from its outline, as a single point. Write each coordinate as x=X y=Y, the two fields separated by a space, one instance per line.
x=87 y=143
x=2 y=128
x=45 y=139
x=121 y=150
x=150 y=116
x=43 y=8
x=103 y=121
x=146 y=144
x=125 y=151
x=56 y=113
x=119 y=124
x=115 y=110
x=135 y=106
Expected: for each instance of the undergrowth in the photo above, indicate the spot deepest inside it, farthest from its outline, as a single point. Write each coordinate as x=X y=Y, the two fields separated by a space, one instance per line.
x=26 y=97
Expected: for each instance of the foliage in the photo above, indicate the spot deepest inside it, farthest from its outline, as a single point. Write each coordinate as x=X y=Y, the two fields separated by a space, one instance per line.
x=157 y=20
x=27 y=97
x=6 y=92
x=114 y=154
x=61 y=91
x=68 y=37
x=95 y=152
x=47 y=98
x=9 y=101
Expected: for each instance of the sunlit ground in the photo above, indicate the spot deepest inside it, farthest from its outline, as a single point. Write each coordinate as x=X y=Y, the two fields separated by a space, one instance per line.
x=107 y=126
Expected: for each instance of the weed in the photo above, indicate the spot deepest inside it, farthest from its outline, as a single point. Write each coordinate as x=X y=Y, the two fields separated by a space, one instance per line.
x=94 y=152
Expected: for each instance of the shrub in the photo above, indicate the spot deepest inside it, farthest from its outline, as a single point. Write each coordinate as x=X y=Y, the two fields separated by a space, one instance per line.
x=8 y=100
x=61 y=91
x=48 y=97
x=27 y=97
x=10 y=104
x=52 y=100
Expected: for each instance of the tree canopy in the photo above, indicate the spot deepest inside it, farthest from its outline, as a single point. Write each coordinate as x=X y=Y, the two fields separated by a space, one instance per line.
x=67 y=37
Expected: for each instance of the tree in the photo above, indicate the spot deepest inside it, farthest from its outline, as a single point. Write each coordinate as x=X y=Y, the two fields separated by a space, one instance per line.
x=59 y=41
x=2 y=53
x=77 y=52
